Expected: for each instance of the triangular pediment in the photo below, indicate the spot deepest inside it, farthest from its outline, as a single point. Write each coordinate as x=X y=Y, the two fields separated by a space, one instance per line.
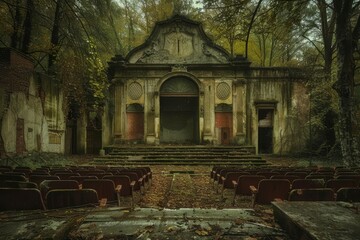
x=178 y=40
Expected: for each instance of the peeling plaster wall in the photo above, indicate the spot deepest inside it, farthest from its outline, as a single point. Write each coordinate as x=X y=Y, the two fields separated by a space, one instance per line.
x=31 y=101
x=36 y=130
x=291 y=103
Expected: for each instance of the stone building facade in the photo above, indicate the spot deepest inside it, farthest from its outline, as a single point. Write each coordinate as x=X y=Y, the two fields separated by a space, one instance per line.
x=181 y=88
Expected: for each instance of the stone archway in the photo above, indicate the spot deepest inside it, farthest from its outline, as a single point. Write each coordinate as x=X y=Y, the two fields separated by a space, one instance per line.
x=179 y=111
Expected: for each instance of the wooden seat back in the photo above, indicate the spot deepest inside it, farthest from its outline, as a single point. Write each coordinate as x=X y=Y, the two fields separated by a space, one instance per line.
x=307 y=183
x=105 y=188
x=20 y=199
x=245 y=181
x=18 y=184
x=270 y=189
x=336 y=184
x=62 y=198
x=38 y=179
x=312 y=194
x=48 y=185
x=348 y=194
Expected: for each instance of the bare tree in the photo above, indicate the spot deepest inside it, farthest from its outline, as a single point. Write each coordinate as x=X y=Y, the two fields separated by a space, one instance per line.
x=347 y=36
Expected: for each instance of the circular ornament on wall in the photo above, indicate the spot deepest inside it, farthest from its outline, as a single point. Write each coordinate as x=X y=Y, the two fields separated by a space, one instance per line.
x=223 y=91
x=135 y=91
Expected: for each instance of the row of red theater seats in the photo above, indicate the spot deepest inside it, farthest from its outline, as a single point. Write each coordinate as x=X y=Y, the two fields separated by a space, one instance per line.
x=74 y=189
x=45 y=170
x=218 y=173
x=285 y=184
x=46 y=173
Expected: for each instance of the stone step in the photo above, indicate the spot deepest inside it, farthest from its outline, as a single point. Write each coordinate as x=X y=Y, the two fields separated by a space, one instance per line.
x=104 y=161
x=176 y=152
x=209 y=163
x=179 y=155
x=151 y=149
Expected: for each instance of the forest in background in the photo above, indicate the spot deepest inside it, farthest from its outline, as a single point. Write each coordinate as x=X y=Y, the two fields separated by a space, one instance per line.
x=72 y=40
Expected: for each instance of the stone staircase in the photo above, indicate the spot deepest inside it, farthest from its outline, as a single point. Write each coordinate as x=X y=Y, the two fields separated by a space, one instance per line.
x=179 y=155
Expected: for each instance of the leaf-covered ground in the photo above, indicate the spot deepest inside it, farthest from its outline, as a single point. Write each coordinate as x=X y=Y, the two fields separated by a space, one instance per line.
x=183 y=190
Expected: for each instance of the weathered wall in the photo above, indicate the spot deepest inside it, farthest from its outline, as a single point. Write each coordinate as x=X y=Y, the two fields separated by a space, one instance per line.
x=290 y=101
x=25 y=122
x=108 y=123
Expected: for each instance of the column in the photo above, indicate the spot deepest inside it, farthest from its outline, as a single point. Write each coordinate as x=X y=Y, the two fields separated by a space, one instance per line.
x=239 y=110
x=118 y=117
x=208 y=108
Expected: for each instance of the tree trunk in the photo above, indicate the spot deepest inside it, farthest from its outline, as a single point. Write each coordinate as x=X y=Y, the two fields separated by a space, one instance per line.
x=55 y=36
x=249 y=28
x=16 y=27
x=27 y=26
x=345 y=83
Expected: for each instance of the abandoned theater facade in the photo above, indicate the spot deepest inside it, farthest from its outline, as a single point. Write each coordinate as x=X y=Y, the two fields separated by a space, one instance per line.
x=181 y=88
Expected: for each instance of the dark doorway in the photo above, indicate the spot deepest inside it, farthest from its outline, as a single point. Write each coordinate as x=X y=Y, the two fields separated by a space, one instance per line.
x=265 y=131
x=179 y=111
x=93 y=135
x=71 y=129
x=179 y=120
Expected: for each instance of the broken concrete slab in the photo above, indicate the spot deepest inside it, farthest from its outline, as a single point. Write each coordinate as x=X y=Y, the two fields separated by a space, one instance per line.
x=184 y=223
x=142 y=223
x=318 y=220
x=38 y=224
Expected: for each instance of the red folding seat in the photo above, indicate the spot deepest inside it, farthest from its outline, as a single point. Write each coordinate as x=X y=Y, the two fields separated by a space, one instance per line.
x=242 y=185
x=269 y=190
x=62 y=198
x=20 y=199
x=105 y=188
x=348 y=194
x=307 y=183
x=48 y=185
x=38 y=179
x=291 y=178
x=336 y=184
x=227 y=181
x=312 y=194
x=127 y=186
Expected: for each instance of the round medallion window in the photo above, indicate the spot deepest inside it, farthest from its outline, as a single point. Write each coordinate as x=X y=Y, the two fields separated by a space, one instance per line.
x=135 y=90
x=223 y=91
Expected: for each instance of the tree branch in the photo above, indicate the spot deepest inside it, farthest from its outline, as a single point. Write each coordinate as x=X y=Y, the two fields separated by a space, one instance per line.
x=250 y=26
x=312 y=42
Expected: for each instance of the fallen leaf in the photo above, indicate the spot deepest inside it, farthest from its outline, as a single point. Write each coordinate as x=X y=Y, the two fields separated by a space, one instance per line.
x=202 y=232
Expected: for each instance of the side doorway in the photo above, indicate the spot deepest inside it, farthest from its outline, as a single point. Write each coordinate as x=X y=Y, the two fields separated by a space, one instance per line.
x=265 y=130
